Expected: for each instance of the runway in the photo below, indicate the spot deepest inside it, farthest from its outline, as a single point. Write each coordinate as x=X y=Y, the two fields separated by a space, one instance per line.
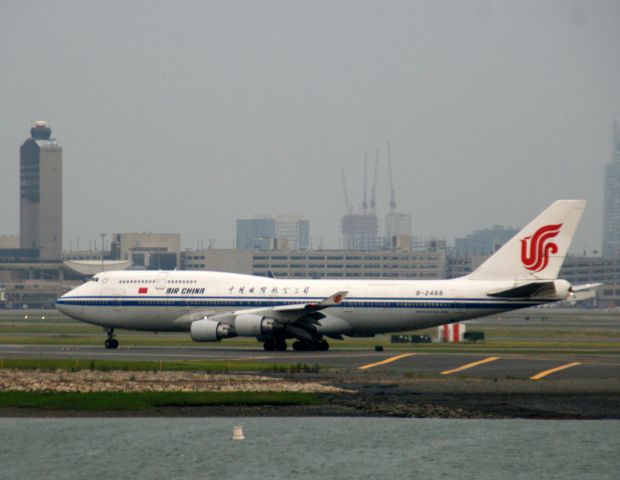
x=440 y=365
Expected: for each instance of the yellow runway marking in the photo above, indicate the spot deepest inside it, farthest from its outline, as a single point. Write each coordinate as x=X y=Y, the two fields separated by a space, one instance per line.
x=387 y=360
x=540 y=375
x=470 y=365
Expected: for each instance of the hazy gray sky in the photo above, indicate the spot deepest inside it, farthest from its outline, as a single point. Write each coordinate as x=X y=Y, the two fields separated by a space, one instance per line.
x=183 y=116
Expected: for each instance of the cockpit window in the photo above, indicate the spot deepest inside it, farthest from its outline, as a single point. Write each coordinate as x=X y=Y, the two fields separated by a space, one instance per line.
x=94 y=279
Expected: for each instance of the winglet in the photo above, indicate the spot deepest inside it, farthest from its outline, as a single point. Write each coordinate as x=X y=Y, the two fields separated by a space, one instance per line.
x=335 y=299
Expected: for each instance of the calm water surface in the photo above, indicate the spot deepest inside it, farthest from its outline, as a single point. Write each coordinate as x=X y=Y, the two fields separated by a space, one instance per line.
x=325 y=448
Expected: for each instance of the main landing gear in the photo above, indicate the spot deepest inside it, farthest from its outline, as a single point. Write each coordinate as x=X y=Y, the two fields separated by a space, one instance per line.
x=305 y=345
x=111 y=342
x=277 y=344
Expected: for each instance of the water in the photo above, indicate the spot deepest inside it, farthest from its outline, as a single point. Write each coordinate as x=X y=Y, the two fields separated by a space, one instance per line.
x=342 y=448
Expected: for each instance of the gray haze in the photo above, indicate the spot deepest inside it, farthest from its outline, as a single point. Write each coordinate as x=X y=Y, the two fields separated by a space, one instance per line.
x=183 y=116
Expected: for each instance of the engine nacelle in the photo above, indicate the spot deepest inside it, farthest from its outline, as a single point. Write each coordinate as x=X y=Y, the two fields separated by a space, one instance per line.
x=250 y=325
x=210 y=331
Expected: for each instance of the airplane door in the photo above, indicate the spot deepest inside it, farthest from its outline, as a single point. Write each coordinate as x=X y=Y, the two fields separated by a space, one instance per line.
x=160 y=281
x=112 y=294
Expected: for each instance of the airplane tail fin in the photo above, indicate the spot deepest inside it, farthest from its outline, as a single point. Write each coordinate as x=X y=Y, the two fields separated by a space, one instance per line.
x=538 y=250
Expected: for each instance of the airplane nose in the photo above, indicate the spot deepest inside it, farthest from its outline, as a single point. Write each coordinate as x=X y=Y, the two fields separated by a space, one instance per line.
x=65 y=305
x=60 y=305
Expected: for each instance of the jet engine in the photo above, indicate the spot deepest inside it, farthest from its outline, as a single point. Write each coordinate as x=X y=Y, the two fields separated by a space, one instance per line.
x=250 y=325
x=210 y=331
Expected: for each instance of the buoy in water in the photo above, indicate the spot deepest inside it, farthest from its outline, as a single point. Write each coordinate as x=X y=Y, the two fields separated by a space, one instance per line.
x=238 y=433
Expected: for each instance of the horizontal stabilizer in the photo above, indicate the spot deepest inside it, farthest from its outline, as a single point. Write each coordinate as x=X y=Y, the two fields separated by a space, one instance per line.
x=525 y=291
x=585 y=287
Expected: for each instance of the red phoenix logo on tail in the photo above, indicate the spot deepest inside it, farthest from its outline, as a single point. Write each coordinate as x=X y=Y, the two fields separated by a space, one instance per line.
x=536 y=248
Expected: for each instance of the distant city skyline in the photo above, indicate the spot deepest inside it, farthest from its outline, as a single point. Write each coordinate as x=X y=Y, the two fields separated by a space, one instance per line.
x=184 y=118
x=611 y=212
x=610 y=233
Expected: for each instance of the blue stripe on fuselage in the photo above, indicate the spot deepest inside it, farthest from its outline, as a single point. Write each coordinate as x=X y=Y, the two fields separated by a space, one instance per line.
x=236 y=302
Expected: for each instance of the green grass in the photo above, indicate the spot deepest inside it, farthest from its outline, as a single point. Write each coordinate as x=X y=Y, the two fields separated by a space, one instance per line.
x=48 y=328
x=563 y=343
x=149 y=365
x=536 y=337
x=132 y=339
x=140 y=401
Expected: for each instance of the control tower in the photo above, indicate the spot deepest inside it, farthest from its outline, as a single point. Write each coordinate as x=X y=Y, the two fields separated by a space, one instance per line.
x=41 y=193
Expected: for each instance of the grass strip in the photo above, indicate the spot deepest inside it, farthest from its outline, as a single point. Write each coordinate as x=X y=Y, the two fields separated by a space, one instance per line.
x=130 y=365
x=153 y=365
x=119 y=401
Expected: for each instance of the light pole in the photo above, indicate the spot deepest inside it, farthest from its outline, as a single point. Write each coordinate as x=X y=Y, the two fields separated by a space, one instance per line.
x=102 y=249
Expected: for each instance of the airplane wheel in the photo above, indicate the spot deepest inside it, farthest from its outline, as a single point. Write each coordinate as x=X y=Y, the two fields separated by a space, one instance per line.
x=302 y=346
x=323 y=346
x=269 y=345
x=281 y=345
x=111 y=342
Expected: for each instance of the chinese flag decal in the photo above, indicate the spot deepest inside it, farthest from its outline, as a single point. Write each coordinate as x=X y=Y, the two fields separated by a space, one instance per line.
x=143 y=290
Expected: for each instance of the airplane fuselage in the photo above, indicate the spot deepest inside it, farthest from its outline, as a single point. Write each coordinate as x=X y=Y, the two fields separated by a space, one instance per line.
x=168 y=301
x=214 y=305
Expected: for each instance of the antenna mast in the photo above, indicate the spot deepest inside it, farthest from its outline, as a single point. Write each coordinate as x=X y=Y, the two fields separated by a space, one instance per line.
x=392 y=193
x=374 y=186
x=365 y=201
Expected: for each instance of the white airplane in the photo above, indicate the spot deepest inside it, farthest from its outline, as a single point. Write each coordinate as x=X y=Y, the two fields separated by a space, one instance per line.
x=215 y=305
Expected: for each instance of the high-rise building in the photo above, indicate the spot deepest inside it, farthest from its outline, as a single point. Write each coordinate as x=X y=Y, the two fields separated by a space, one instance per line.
x=41 y=193
x=9 y=241
x=398 y=230
x=359 y=232
x=611 y=207
x=483 y=242
x=273 y=232
x=397 y=224
x=149 y=251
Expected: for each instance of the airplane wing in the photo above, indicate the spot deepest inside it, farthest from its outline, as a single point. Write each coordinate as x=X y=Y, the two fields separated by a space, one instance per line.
x=299 y=320
x=304 y=314
x=291 y=313
x=335 y=299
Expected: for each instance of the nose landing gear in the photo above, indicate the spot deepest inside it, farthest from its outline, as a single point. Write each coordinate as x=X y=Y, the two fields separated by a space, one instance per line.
x=111 y=342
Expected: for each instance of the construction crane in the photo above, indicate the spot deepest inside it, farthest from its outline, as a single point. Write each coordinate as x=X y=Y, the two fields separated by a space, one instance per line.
x=346 y=193
x=365 y=200
x=392 y=193
x=373 y=190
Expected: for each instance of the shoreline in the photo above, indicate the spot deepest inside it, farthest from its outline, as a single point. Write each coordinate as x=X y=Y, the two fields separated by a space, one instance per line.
x=339 y=394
